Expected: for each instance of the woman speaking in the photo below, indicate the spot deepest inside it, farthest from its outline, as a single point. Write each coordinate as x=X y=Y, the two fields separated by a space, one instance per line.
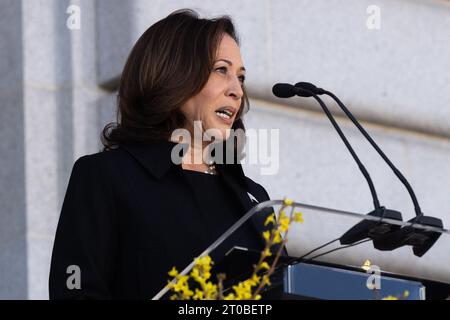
x=133 y=211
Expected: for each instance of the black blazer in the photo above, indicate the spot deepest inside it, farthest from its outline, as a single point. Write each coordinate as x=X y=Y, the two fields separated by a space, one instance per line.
x=128 y=217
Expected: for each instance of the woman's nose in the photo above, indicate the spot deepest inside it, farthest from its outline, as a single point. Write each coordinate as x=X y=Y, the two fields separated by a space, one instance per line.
x=235 y=88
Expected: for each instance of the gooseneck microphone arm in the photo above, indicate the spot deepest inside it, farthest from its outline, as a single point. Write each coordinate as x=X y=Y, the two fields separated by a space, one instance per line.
x=287 y=90
x=385 y=235
x=380 y=152
x=312 y=88
x=376 y=202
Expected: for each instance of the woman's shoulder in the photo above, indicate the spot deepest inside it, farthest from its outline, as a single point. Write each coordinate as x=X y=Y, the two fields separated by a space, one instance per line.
x=100 y=162
x=101 y=157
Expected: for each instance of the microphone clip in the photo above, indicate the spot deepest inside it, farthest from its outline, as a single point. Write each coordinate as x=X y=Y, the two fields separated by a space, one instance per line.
x=388 y=237
x=372 y=229
x=420 y=239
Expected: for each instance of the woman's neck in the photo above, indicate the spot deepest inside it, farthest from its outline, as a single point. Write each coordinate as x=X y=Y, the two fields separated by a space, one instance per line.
x=194 y=160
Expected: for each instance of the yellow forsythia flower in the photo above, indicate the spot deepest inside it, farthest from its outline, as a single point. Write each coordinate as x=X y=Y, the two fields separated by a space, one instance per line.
x=256 y=279
x=230 y=296
x=201 y=272
x=298 y=217
x=243 y=290
x=267 y=253
x=187 y=293
x=181 y=283
x=266 y=280
x=265 y=265
x=270 y=219
x=173 y=272
x=277 y=238
x=198 y=295
x=405 y=295
x=204 y=262
x=366 y=265
x=284 y=224
x=211 y=289
x=195 y=273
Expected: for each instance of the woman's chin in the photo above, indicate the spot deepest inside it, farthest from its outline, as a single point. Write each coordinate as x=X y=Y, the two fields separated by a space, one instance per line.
x=218 y=130
x=217 y=134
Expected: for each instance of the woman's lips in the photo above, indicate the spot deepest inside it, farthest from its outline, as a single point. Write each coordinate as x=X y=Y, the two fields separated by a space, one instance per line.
x=226 y=114
x=225 y=118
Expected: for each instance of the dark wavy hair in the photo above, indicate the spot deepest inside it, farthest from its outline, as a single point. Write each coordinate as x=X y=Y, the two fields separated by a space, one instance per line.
x=170 y=63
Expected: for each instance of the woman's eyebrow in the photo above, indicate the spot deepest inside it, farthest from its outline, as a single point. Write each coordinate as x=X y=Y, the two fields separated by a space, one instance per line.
x=230 y=63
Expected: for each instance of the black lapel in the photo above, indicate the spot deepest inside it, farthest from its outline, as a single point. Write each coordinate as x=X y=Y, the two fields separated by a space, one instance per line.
x=234 y=177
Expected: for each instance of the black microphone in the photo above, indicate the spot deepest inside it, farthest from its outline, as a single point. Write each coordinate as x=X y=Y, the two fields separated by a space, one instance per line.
x=302 y=89
x=286 y=90
x=365 y=228
x=420 y=239
x=312 y=88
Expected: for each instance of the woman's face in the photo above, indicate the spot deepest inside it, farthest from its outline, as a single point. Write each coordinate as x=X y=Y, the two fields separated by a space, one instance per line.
x=217 y=104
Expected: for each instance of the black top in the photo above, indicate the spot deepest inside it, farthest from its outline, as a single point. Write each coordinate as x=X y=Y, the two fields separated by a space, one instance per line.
x=220 y=209
x=129 y=215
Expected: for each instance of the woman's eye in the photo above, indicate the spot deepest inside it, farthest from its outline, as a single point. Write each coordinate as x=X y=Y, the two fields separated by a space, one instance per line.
x=222 y=69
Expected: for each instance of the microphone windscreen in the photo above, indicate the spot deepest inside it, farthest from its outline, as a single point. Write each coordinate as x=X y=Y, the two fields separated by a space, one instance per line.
x=283 y=90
